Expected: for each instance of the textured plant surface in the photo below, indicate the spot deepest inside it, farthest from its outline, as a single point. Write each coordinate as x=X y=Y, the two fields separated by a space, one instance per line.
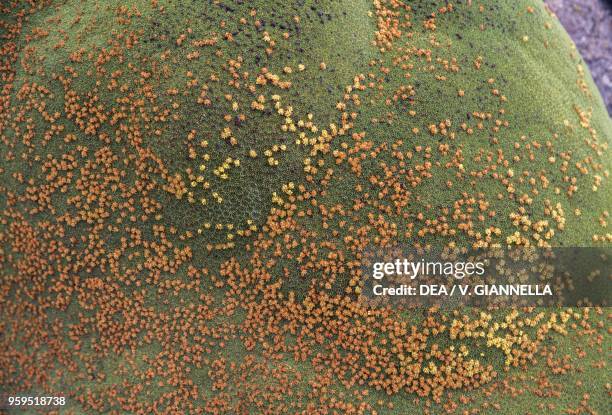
x=187 y=188
x=589 y=23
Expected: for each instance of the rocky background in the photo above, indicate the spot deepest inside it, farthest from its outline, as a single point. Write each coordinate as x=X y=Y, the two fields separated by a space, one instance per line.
x=589 y=23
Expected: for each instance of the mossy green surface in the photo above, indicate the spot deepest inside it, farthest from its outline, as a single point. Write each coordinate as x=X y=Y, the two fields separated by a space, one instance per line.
x=339 y=125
